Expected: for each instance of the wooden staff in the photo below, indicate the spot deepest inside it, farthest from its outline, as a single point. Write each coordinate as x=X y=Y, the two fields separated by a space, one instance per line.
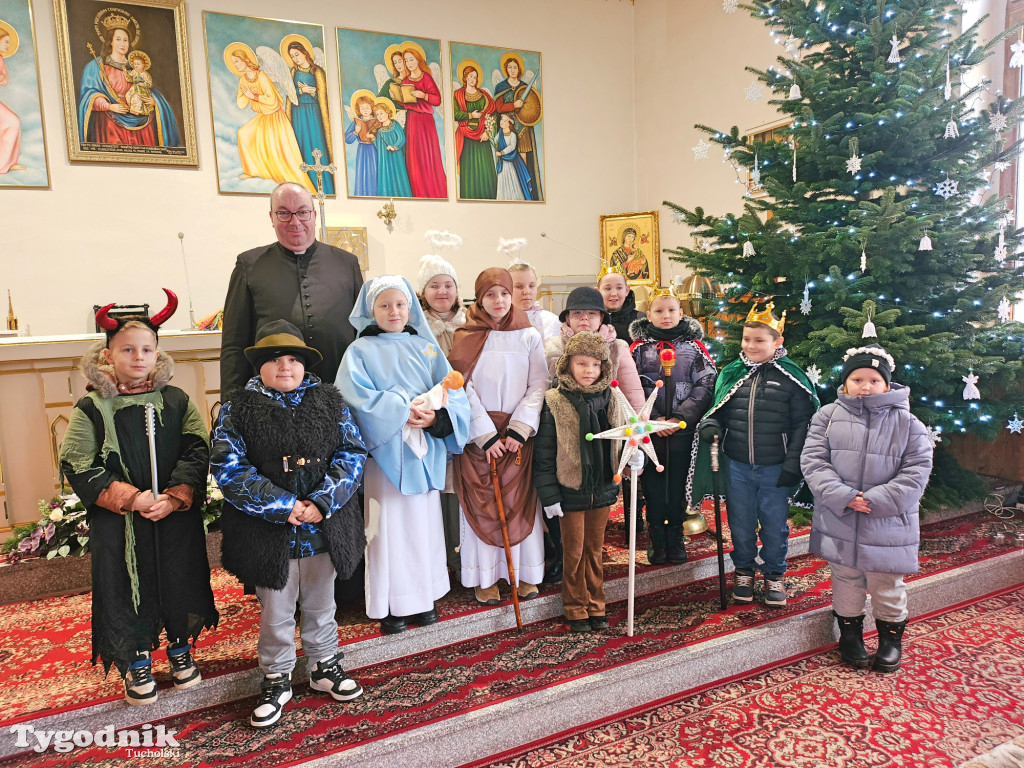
x=508 y=547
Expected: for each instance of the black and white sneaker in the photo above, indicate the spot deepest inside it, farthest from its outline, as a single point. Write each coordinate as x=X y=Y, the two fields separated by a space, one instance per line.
x=184 y=671
x=328 y=676
x=774 y=592
x=275 y=692
x=139 y=685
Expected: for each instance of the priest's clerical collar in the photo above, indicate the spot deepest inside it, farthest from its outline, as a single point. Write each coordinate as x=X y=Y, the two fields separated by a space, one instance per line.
x=309 y=250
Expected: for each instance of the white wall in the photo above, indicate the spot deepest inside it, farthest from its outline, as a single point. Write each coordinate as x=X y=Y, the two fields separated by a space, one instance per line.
x=76 y=245
x=690 y=69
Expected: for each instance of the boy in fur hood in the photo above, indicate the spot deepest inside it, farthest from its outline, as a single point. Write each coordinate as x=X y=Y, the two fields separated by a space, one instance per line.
x=150 y=584
x=288 y=458
x=688 y=385
x=574 y=475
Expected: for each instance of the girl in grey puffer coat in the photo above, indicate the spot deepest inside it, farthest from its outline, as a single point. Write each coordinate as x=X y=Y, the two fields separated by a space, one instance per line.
x=867 y=460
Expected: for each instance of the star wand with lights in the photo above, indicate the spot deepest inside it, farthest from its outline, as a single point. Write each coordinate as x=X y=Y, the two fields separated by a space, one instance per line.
x=635 y=431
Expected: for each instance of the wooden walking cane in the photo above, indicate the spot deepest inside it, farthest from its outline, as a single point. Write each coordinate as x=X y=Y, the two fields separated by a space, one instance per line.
x=508 y=547
x=718 y=522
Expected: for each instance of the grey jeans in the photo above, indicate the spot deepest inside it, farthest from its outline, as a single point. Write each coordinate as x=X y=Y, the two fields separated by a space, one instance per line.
x=850 y=588
x=311 y=583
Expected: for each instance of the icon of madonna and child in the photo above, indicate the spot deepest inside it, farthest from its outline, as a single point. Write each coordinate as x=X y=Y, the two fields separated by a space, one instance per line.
x=119 y=104
x=394 y=129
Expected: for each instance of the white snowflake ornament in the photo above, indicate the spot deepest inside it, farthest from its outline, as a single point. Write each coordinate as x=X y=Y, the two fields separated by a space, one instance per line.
x=853 y=165
x=947 y=189
x=754 y=92
x=1015 y=425
x=700 y=151
x=805 y=302
x=971 y=389
x=1000 y=165
x=935 y=435
x=814 y=374
x=997 y=122
x=730 y=6
x=1004 y=310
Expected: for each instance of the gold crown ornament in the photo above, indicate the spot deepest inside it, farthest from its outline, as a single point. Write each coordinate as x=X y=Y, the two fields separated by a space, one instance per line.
x=607 y=269
x=767 y=318
x=658 y=293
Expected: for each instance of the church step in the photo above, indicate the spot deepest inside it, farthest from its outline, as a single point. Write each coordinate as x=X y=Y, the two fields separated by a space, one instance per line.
x=473 y=736
x=365 y=653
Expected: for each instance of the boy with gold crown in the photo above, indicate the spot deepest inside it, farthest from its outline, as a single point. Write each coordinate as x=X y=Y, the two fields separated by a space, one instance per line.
x=763 y=405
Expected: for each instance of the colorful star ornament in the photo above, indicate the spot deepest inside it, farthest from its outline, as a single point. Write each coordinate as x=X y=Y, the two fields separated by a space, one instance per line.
x=636 y=430
x=1015 y=425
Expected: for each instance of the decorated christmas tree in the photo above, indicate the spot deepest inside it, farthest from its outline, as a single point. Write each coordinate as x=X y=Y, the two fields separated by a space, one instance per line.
x=874 y=210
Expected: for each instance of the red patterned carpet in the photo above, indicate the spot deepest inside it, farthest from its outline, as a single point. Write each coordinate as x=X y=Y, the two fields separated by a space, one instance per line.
x=44 y=663
x=957 y=696
x=409 y=692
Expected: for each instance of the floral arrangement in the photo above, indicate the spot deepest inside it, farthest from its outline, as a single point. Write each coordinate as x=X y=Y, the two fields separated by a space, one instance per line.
x=62 y=530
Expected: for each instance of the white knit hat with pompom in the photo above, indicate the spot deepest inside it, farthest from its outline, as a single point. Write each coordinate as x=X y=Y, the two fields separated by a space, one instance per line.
x=432 y=265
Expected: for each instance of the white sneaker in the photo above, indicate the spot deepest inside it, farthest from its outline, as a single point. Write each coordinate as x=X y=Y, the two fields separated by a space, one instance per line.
x=275 y=692
x=139 y=685
x=328 y=676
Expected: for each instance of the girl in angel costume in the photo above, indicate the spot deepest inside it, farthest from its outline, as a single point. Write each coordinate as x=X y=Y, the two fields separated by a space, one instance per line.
x=410 y=415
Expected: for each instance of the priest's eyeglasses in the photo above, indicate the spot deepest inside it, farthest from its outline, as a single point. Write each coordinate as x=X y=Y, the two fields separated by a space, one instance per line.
x=285 y=216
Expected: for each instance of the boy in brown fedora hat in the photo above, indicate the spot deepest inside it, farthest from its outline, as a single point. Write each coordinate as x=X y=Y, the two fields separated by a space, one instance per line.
x=288 y=458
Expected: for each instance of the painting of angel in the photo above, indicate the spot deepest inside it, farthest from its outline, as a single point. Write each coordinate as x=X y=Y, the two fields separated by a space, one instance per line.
x=394 y=139
x=269 y=98
x=499 y=146
x=22 y=148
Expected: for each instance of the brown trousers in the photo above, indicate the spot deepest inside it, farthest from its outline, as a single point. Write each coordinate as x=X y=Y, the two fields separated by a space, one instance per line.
x=582 y=569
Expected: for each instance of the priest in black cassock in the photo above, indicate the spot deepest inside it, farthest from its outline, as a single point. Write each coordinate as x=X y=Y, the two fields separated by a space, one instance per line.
x=308 y=283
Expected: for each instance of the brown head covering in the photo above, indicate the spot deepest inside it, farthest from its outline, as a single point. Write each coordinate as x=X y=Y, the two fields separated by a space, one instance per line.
x=470 y=338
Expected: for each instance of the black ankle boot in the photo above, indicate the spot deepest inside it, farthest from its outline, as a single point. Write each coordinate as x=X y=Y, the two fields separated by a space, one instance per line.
x=657 y=554
x=890 y=645
x=675 y=548
x=851 y=640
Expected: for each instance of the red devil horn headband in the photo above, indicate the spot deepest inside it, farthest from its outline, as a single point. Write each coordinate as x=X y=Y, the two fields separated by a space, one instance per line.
x=108 y=323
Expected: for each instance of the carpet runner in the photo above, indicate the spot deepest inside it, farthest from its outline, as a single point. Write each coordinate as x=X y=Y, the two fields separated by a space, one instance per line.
x=407 y=693
x=957 y=695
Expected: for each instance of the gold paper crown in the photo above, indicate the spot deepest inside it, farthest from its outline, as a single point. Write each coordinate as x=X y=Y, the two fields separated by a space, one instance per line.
x=115 y=21
x=767 y=318
x=607 y=269
x=657 y=293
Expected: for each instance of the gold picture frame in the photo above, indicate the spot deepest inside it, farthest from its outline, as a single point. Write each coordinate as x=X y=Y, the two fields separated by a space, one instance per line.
x=630 y=243
x=353 y=240
x=126 y=82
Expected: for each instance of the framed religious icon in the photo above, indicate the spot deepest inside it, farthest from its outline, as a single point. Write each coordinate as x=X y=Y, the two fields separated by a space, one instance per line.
x=126 y=82
x=269 y=99
x=499 y=123
x=23 y=163
x=353 y=240
x=391 y=91
x=629 y=244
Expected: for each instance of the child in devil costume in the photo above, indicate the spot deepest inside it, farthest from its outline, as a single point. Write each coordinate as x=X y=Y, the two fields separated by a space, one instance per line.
x=150 y=572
